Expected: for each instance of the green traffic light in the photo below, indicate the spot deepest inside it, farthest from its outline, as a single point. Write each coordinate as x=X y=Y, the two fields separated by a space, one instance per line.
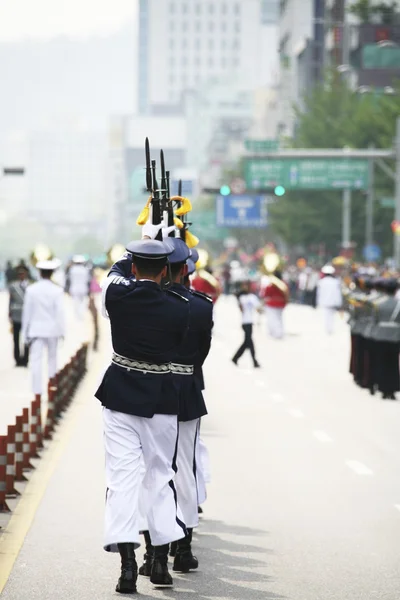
x=279 y=190
x=225 y=190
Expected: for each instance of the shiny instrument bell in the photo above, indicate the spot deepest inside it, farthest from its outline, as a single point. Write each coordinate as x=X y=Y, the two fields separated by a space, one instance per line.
x=115 y=253
x=271 y=262
x=39 y=253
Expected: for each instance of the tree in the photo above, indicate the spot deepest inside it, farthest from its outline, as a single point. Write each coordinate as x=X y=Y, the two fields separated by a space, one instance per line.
x=365 y=10
x=335 y=117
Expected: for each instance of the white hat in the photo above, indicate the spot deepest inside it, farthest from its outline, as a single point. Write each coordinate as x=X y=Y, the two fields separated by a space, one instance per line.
x=48 y=265
x=328 y=270
x=78 y=258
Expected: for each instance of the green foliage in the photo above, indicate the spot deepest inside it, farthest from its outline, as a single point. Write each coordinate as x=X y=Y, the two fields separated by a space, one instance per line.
x=365 y=10
x=335 y=117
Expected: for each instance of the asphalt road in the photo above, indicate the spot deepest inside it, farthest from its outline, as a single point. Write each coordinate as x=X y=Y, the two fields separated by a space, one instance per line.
x=304 y=502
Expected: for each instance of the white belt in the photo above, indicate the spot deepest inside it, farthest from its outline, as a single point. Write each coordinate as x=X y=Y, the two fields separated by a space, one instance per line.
x=144 y=367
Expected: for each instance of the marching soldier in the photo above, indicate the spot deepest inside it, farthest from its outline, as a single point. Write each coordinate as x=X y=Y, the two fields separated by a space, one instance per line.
x=43 y=322
x=202 y=456
x=191 y=406
x=140 y=397
x=17 y=291
x=387 y=338
x=78 y=285
x=329 y=296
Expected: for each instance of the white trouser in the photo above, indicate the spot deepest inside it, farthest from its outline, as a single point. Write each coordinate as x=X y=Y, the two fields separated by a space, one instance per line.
x=126 y=439
x=275 y=321
x=80 y=305
x=329 y=319
x=186 y=484
x=202 y=470
x=36 y=350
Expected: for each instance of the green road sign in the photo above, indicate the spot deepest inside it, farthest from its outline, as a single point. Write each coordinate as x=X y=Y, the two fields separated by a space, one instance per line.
x=306 y=174
x=261 y=145
x=387 y=202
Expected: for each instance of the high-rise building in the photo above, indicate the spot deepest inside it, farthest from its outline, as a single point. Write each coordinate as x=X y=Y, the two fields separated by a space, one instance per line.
x=184 y=44
x=302 y=54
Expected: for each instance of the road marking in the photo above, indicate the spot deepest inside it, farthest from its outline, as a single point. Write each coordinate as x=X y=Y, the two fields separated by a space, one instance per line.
x=322 y=436
x=397 y=506
x=296 y=413
x=276 y=397
x=260 y=383
x=358 y=467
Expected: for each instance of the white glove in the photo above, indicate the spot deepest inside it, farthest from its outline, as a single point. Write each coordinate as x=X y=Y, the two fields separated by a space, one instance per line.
x=150 y=231
x=167 y=230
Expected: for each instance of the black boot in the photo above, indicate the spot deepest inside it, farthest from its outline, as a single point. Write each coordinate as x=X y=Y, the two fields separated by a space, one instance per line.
x=172 y=548
x=184 y=559
x=145 y=569
x=127 y=582
x=160 y=576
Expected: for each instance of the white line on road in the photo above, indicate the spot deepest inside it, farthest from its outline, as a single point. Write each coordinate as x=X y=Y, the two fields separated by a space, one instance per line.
x=260 y=383
x=276 y=397
x=295 y=413
x=397 y=506
x=322 y=436
x=358 y=467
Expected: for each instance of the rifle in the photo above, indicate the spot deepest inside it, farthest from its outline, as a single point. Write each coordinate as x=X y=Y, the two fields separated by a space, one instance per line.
x=153 y=205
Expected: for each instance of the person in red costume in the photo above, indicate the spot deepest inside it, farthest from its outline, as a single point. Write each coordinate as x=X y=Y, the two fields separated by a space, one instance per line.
x=204 y=282
x=275 y=298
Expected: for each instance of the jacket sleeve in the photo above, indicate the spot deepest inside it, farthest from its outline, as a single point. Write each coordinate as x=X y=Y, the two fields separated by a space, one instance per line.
x=123 y=266
x=26 y=315
x=205 y=339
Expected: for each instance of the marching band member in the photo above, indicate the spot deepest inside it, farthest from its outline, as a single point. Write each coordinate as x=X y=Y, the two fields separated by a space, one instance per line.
x=276 y=296
x=78 y=285
x=329 y=296
x=43 y=322
x=17 y=291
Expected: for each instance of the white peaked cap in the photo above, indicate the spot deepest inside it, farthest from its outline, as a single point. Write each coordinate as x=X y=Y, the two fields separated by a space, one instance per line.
x=78 y=258
x=48 y=265
x=328 y=270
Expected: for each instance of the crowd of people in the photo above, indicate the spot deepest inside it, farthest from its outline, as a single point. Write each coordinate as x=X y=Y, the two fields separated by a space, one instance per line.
x=374 y=306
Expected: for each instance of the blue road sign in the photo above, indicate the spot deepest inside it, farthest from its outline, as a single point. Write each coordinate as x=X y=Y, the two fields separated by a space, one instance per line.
x=187 y=187
x=372 y=252
x=241 y=211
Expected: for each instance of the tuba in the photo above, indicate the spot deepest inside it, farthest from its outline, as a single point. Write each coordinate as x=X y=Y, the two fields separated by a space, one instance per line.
x=115 y=253
x=272 y=262
x=39 y=253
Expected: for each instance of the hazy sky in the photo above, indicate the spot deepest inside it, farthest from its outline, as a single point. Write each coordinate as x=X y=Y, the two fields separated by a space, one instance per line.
x=44 y=19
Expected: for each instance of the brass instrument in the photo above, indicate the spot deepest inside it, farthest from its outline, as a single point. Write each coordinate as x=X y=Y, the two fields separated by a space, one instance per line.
x=270 y=264
x=39 y=253
x=204 y=259
x=115 y=253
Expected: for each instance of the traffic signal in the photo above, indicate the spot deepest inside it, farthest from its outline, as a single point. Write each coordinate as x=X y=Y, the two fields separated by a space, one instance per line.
x=279 y=190
x=225 y=190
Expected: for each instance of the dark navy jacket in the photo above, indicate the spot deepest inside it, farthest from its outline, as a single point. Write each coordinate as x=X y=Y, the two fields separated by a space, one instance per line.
x=194 y=351
x=147 y=325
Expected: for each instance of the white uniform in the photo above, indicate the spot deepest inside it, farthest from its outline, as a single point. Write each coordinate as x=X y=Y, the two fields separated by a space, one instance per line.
x=79 y=282
x=42 y=326
x=329 y=298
